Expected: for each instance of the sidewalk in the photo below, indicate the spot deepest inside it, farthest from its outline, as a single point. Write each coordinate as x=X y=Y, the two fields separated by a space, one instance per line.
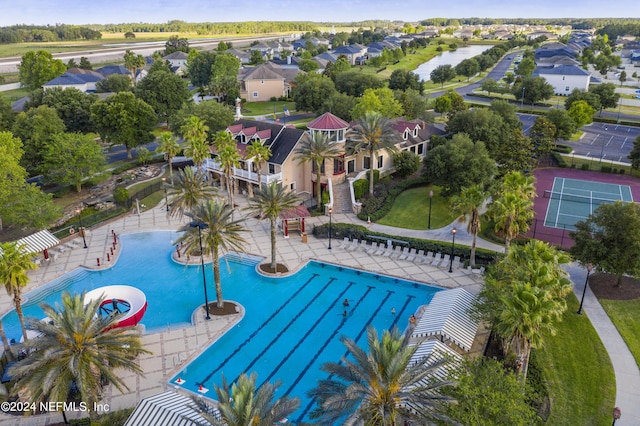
x=624 y=365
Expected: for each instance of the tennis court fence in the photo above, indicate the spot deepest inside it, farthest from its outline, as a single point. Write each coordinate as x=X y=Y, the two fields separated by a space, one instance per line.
x=577 y=198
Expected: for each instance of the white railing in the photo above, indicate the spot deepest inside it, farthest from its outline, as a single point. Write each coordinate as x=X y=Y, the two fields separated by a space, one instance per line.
x=329 y=205
x=215 y=166
x=356 y=206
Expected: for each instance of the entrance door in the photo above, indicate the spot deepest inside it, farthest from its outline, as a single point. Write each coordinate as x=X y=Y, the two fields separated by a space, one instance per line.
x=351 y=166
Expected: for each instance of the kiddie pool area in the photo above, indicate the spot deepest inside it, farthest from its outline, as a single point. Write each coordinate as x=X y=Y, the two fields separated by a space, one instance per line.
x=291 y=325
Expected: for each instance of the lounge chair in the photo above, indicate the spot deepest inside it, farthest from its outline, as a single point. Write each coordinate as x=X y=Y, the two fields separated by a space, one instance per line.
x=372 y=249
x=437 y=258
x=419 y=257
x=76 y=242
x=354 y=245
x=389 y=251
x=345 y=243
x=412 y=255
x=381 y=249
x=405 y=254
x=445 y=261
x=457 y=263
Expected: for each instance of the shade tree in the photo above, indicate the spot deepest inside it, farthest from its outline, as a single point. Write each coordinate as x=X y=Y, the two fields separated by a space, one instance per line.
x=381 y=101
x=442 y=74
x=164 y=91
x=468 y=68
x=581 y=113
x=532 y=90
x=38 y=67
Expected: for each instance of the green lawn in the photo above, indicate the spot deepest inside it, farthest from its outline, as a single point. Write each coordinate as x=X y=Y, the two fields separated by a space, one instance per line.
x=411 y=210
x=264 y=108
x=578 y=372
x=625 y=314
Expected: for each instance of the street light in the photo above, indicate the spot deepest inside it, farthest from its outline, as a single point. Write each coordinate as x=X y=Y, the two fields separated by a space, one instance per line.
x=603 y=139
x=84 y=240
x=330 y=214
x=200 y=226
x=166 y=201
x=522 y=101
x=586 y=282
x=616 y=415
x=453 y=243
x=430 y=199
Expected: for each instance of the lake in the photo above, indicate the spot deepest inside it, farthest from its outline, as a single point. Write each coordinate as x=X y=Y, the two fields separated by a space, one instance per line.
x=452 y=58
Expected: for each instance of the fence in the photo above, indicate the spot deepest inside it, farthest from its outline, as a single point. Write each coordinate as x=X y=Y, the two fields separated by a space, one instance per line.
x=557 y=236
x=142 y=193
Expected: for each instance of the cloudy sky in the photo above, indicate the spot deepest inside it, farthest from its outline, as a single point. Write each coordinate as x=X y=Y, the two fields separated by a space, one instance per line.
x=119 y=11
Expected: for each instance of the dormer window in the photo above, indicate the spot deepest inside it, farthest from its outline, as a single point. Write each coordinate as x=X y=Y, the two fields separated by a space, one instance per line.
x=415 y=132
x=405 y=135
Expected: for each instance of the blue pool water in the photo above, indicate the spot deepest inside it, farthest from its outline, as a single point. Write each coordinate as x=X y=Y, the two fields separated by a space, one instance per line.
x=291 y=326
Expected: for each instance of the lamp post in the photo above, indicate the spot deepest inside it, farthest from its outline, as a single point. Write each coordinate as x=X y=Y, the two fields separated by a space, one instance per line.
x=586 y=282
x=602 y=150
x=430 y=199
x=330 y=214
x=616 y=415
x=84 y=240
x=453 y=243
x=200 y=226
x=522 y=100
x=166 y=200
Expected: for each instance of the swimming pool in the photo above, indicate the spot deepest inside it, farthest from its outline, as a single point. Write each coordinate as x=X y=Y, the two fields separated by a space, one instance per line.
x=291 y=326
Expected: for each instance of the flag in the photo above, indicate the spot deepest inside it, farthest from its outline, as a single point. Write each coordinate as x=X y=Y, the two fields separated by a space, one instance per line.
x=286 y=111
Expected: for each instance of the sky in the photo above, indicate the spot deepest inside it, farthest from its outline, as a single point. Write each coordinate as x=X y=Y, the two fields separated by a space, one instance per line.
x=42 y=12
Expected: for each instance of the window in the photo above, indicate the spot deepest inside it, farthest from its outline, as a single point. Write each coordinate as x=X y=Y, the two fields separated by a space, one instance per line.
x=351 y=166
x=380 y=162
x=272 y=169
x=405 y=135
x=566 y=88
x=413 y=149
x=340 y=135
x=313 y=167
x=366 y=163
x=415 y=131
x=255 y=94
x=420 y=149
x=338 y=166
x=292 y=187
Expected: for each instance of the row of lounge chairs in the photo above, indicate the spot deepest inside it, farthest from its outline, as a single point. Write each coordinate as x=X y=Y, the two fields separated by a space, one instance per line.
x=63 y=248
x=441 y=260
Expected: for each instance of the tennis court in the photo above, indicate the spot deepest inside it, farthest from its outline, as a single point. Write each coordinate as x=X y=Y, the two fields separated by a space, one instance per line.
x=572 y=200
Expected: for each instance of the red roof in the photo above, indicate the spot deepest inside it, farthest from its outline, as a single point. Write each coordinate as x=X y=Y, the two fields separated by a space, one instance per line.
x=300 y=211
x=401 y=126
x=328 y=121
x=235 y=128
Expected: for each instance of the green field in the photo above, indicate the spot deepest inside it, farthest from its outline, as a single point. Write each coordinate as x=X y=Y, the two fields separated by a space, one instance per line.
x=625 y=315
x=411 y=210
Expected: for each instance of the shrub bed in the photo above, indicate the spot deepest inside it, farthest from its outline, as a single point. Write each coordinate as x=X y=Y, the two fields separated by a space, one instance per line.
x=384 y=194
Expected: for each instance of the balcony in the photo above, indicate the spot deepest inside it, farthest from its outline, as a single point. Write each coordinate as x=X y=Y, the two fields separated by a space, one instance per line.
x=214 y=166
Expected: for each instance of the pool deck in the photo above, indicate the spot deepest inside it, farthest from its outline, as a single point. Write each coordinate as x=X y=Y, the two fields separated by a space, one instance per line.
x=174 y=347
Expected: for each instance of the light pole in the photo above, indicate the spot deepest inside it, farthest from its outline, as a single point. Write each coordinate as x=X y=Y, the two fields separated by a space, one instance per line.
x=616 y=415
x=603 y=139
x=453 y=243
x=522 y=100
x=84 y=240
x=330 y=214
x=586 y=282
x=430 y=199
x=200 y=226
x=166 y=200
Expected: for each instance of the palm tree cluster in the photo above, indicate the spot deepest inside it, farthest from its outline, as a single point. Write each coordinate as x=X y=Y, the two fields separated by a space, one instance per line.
x=315 y=150
x=468 y=203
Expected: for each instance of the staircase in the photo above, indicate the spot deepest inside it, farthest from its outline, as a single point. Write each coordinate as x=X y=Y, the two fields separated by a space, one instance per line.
x=342 y=198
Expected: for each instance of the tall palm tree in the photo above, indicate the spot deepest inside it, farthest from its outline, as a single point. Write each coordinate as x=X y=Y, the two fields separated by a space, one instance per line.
x=229 y=158
x=511 y=214
x=316 y=149
x=133 y=63
x=372 y=133
x=268 y=203
x=469 y=203
x=195 y=133
x=189 y=188
x=518 y=182
x=379 y=386
x=220 y=234
x=15 y=262
x=260 y=154
x=170 y=147
x=527 y=312
x=77 y=346
x=241 y=404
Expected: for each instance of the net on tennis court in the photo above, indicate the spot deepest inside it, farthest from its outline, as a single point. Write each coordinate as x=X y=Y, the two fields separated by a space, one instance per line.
x=577 y=198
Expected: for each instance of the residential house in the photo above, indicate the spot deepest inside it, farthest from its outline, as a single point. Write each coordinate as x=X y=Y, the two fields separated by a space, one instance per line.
x=113 y=70
x=178 y=62
x=353 y=52
x=77 y=78
x=565 y=78
x=264 y=81
x=243 y=57
x=301 y=44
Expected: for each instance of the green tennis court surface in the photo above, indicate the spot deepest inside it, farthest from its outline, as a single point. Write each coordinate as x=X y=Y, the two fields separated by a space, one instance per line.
x=572 y=200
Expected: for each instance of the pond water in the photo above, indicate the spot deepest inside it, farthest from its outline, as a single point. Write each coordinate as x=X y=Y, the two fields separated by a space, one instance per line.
x=452 y=58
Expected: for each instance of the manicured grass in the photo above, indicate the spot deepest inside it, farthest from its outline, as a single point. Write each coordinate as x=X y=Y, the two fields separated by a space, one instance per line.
x=14 y=95
x=267 y=108
x=576 y=136
x=411 y=210
x=578 y=372
x=625 y=315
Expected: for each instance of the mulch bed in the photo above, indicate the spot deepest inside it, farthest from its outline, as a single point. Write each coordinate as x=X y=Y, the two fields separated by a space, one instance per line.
x=228 y=308
x=266 y=268
x=604 y=287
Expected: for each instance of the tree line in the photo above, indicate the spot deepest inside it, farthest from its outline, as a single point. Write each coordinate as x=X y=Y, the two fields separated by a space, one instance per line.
x=46 y=33
x=248 y=27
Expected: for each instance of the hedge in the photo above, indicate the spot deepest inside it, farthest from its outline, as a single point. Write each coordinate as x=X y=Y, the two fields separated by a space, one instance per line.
x=358 y=232
x=360 y=188
x=376 y=207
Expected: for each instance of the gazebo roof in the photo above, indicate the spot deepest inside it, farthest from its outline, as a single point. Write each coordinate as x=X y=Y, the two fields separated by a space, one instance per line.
x=328 y=121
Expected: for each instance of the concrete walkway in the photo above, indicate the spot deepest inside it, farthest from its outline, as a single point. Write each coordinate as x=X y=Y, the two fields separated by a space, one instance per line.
x=624 y=365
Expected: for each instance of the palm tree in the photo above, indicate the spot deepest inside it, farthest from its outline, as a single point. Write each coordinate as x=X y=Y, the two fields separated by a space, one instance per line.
x=220 y=233
x=170 y=147
x=195 y=133
x=229 y=158
x=511 y=214
x=133 y=63
x=242 y=405
x=372 y=133
x=518 y=182
x=526 y=314
x=188 y=190
x=269 y=202
x=14 y=264
x=469 y=203
x=77 y=346
x=260 y=153
x=379 y=386
x=315 y=150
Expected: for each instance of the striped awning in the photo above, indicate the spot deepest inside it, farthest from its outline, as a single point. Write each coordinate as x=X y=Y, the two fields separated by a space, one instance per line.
x=39 y=241
x=432 y=351
x=166 y=409
x=448 y=316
